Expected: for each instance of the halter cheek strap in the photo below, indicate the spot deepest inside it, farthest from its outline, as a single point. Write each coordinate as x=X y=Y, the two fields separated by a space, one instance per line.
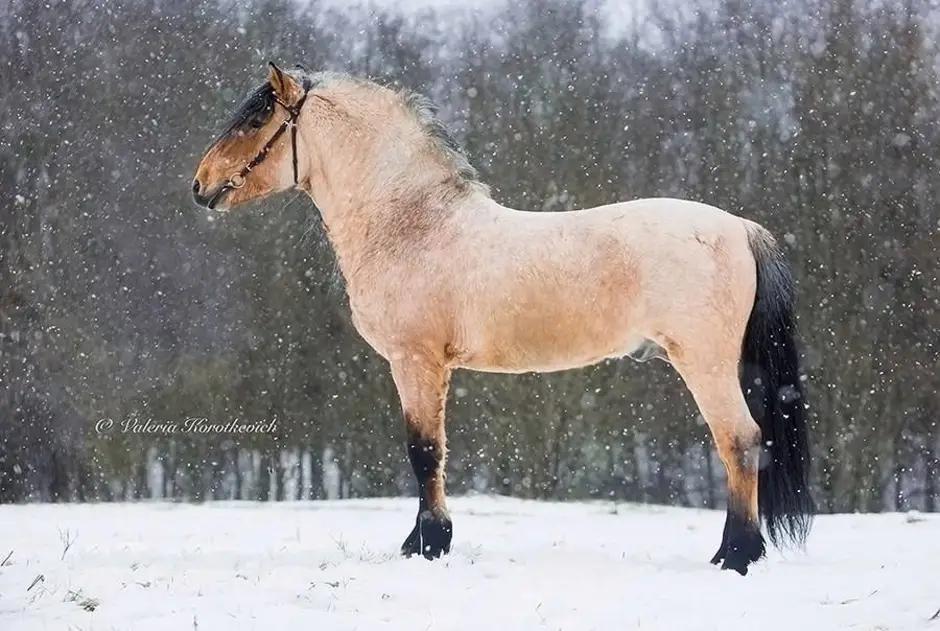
x=238 y=179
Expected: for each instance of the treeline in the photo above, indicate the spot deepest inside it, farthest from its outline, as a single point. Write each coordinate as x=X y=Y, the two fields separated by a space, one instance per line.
x=120 y=300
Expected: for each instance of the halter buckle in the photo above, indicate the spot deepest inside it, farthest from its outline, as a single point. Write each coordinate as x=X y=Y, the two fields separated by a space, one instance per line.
x=237 y=180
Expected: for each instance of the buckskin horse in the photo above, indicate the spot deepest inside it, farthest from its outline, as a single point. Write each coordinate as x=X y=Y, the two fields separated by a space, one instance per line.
x=440 y=276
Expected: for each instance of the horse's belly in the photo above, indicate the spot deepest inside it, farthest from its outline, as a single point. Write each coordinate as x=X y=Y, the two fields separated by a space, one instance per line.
x=549 y=349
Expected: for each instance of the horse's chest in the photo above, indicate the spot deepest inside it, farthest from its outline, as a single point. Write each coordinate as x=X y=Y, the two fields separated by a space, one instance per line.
x=388 y=321
x=371 y=329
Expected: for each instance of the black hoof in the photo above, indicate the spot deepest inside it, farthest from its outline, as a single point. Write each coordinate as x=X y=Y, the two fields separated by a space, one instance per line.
x=741 y=545
x=720 y=555
x=430 y=537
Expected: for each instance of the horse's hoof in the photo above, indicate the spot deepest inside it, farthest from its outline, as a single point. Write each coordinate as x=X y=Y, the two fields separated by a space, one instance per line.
x=719 y=556
x=430 y=537
x=735 y=564
x=738 y=554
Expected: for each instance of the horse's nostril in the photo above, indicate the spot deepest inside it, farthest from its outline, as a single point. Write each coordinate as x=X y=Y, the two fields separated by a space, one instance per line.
x=196 y=187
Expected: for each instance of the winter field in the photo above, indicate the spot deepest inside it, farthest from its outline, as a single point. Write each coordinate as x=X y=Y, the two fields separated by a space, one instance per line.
x=331 y=566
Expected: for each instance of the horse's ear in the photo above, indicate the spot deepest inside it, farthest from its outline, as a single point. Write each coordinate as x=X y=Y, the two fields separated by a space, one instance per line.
x=285 y=86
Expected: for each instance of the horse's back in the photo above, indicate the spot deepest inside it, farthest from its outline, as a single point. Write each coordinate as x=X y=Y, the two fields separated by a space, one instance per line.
x=667 y=215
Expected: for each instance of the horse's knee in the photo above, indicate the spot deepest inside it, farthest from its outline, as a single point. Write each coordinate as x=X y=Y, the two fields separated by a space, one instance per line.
x=739 y=449
x=744 y=445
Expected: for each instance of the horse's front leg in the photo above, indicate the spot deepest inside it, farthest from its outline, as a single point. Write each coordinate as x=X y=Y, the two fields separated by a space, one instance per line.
x=422 y=388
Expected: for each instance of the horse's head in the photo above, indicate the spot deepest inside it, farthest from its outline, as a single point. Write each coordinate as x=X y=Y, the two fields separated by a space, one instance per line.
x=256 y=155
x=348 y=142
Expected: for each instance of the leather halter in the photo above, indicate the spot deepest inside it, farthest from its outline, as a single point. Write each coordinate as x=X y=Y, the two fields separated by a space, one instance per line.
x=238 y=179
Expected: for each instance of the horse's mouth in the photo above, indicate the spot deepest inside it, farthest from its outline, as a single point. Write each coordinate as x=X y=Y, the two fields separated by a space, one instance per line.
x=213 y=201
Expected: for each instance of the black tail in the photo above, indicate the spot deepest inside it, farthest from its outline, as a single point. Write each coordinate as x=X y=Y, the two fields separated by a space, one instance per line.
x=770 y=378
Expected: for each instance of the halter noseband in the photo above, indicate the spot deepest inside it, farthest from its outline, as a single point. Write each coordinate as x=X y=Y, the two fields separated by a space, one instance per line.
x=238 y=179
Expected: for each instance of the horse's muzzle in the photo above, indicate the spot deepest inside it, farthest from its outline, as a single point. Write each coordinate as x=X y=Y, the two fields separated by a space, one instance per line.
x=210 y=201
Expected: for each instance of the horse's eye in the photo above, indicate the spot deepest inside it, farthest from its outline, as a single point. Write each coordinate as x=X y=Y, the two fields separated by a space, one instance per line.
x=259 y=120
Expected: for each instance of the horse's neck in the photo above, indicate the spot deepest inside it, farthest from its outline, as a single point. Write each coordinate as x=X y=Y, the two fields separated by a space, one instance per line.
x=373 y=235
x=382 y=202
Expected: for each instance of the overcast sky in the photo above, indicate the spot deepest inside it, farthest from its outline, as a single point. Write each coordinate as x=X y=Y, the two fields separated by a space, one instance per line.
x=617 y=12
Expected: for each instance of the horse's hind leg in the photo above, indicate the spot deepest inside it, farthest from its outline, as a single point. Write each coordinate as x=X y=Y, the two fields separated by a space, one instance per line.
x=717 y=392
x=422 y=388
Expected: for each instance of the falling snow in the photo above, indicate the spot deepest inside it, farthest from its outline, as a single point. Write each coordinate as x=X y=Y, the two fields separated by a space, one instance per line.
x=121 y=299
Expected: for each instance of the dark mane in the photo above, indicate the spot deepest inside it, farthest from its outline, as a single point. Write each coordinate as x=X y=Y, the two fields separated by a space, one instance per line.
x=422 y=108
x=425 y=111
x=258 y=108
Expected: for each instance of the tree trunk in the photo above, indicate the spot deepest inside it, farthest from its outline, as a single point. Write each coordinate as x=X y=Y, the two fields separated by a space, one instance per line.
x=277 y=465
x=316 y=490
x=234 y=454
x=710 y=498
x=143 y=480
x=930 y=477
x=263 y=487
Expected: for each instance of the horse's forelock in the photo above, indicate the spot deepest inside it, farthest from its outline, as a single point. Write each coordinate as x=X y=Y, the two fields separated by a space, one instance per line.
x=258 y=108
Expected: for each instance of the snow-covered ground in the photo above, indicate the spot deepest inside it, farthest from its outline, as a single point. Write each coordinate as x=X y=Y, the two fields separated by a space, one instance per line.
x=332 y=566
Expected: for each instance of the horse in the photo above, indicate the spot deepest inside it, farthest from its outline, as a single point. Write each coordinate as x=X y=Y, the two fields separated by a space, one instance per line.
x=439 y=276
